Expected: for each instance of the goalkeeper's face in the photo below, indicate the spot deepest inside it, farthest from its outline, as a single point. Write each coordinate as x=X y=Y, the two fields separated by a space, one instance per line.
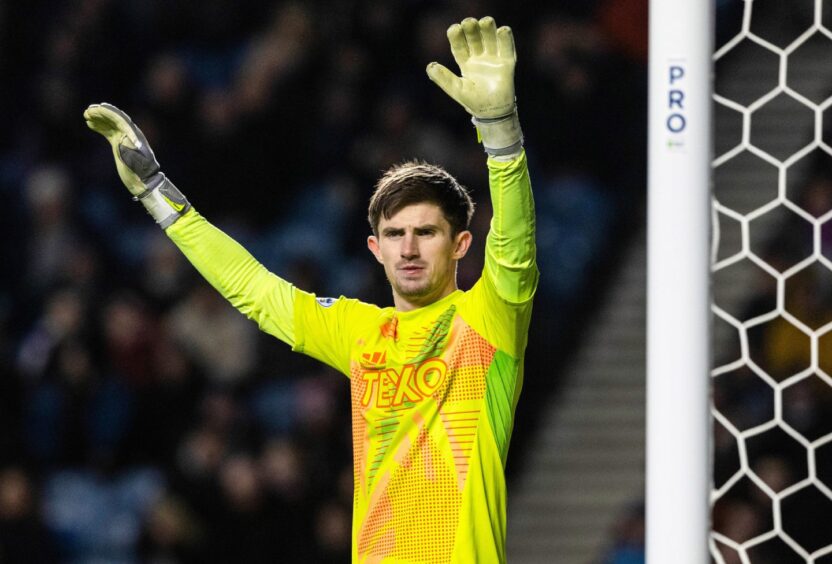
x=419 y=253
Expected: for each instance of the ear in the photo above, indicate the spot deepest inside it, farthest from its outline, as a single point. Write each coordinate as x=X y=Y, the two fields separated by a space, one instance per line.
x=462 y=243
x=372 y=244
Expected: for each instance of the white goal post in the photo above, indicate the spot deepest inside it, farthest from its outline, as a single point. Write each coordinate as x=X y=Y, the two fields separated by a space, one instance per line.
x=678 y=296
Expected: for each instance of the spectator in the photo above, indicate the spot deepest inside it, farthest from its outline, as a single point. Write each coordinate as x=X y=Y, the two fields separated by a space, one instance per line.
x=171 y=533
x=23 y=538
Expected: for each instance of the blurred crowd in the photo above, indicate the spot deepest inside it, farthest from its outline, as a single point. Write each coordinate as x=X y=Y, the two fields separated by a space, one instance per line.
x=143 y=419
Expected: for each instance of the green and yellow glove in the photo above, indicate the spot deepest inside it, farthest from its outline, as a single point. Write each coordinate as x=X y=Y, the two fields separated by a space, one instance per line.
x=137 y=165
x=486 y=59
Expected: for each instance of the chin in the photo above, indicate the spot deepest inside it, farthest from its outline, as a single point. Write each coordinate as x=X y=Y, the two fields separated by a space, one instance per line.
x=414 y=291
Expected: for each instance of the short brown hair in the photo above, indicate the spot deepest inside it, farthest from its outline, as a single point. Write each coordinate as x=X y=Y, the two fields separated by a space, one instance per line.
x=415 y=182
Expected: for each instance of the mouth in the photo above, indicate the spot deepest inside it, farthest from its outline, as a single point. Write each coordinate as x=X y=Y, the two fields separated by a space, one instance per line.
x=411 y=269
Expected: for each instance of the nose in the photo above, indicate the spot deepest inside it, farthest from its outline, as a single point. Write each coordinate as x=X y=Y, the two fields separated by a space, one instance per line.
x=410 y=247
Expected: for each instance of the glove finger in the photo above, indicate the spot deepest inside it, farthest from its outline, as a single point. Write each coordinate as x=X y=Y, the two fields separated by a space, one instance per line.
x=100 y=115
x=133 y=131
x=471 y=27
x=100 y=121
x=110 y=121
x=450 y=83
x=139 y=157
x=114 y=110
x=505 y=43
x=459 y=46
x=488 y=31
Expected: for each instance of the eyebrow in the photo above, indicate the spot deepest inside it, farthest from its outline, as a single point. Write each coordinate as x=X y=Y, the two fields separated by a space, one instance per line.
x=419 y=228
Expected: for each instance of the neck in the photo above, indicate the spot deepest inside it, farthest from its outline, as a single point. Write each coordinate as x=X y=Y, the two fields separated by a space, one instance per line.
x=410 y=303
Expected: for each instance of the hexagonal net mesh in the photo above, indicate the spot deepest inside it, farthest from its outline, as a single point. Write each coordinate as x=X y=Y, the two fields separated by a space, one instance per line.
x=772 y=276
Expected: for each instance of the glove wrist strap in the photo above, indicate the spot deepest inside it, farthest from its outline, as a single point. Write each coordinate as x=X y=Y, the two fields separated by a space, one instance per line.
x=501 y=136
x=163 y=201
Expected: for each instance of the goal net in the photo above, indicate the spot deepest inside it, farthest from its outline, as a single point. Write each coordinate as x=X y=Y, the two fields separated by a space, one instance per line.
x=771 y=264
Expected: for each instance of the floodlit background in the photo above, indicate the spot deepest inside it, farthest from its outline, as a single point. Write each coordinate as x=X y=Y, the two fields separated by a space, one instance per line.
x=143 y=419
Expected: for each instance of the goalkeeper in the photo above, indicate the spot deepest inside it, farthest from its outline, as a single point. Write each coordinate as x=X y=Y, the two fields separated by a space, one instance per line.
x=435 y=379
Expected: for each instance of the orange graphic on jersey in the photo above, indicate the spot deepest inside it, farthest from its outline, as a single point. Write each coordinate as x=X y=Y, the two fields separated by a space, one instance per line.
x=390 y=387
x=389 y=330
x=375 y=359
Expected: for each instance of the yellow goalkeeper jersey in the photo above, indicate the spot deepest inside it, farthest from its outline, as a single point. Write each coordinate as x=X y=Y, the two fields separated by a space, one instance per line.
x=433 y=390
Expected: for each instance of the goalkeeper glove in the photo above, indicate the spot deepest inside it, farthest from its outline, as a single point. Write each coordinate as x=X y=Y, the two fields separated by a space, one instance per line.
x=486 y=59
x=137 y=165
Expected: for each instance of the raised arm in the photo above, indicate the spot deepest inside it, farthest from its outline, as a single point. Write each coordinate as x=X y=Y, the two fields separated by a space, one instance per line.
x=510 y=247
x=226 y=265
x=486 y=57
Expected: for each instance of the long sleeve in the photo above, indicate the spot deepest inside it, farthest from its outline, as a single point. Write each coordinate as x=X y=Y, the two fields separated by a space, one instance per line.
x=510 y=247
x=259 y=294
